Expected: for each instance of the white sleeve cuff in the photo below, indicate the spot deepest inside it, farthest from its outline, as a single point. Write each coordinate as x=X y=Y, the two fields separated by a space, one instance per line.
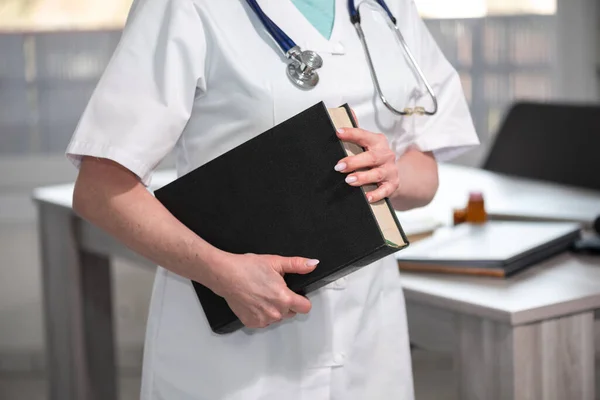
x=448 y=145
x=77 y=150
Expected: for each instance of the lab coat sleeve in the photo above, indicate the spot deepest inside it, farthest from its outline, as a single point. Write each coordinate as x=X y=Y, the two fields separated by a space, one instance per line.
x=145 y=96
x=450 y=131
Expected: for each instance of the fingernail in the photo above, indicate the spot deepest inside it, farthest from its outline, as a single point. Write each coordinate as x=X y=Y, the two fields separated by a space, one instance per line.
x=340 y=130
x=351 y=179
x=370 y=198
x=312 y=263
x=340 y=167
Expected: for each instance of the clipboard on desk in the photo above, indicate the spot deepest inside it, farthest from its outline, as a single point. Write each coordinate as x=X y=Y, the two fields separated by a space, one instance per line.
x=495 y=249
x=588 y=243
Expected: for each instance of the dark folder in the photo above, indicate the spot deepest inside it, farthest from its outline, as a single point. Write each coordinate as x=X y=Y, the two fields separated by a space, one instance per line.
x=278 y=193
x=495 y=249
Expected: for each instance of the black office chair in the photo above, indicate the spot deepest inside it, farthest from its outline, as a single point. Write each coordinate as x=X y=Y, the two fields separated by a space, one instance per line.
x=550 y=142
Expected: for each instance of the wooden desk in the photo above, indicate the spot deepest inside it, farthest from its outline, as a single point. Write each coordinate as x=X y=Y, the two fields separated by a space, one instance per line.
x=529 y=337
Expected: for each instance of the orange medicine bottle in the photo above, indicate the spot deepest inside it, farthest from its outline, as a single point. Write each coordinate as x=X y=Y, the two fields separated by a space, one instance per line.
x=475 y=212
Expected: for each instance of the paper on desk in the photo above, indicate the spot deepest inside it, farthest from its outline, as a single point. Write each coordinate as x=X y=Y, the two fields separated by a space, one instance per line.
x=418 y=221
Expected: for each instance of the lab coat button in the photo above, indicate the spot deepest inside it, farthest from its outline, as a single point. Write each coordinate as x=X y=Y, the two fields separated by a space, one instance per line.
x=339 y=48
x=339 y=358
x=341 y=283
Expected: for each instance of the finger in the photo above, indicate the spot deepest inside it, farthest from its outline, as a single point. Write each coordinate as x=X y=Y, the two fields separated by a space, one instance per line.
x=289 y=314
x=383 y=191
x=367 y=159
x=354 y=116
x=362 y=137
x=375 y=175
x=296 y=265
x=300 y=304
x=273 y=315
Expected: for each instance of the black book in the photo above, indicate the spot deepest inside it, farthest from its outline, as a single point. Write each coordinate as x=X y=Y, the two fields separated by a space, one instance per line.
x=278 y=193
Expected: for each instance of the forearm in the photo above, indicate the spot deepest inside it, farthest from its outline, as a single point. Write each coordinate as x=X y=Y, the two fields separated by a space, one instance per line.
x=114 y=200
x=418 y=177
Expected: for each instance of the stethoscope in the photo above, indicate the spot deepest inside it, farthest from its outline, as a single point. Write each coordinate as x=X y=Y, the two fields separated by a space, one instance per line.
x=303 y=64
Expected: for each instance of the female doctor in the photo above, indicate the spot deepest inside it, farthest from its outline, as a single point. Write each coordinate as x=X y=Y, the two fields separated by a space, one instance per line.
x=201 y=77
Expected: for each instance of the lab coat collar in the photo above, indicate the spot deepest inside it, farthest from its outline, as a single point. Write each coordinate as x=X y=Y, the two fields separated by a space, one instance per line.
x=291 y=20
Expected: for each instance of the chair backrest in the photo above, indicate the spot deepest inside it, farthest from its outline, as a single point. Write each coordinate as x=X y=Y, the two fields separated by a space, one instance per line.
x=550 y=142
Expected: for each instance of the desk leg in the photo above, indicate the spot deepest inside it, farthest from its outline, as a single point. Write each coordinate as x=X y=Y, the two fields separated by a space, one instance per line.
x=549 y=360
x=78 y=312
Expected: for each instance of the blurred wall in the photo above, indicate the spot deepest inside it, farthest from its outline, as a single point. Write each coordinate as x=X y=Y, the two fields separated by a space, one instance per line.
x=578 y=38
x=500 y=59
x=45 y=81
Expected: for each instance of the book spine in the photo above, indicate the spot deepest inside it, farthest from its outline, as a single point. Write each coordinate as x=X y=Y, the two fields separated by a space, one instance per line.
x=397 y=222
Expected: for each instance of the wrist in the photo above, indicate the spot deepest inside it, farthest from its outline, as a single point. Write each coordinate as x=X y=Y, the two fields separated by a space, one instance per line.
x=418 y=177
x=214 y=269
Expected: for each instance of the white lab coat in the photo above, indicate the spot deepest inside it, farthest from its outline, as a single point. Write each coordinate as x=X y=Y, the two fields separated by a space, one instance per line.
x=201 y=77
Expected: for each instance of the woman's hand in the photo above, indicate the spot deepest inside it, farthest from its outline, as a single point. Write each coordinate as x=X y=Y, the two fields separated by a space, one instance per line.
x=254 y=288
x=376 y=165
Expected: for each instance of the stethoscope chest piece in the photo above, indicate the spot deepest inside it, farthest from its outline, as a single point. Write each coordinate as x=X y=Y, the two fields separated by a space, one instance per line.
x=302 y=69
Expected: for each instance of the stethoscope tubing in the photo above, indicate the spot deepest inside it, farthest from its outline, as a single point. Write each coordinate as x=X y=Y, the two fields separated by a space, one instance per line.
x=291 y=50
x=283 y=40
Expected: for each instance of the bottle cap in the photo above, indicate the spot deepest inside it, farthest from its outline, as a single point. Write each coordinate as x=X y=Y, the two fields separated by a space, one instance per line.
x=475 y=196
